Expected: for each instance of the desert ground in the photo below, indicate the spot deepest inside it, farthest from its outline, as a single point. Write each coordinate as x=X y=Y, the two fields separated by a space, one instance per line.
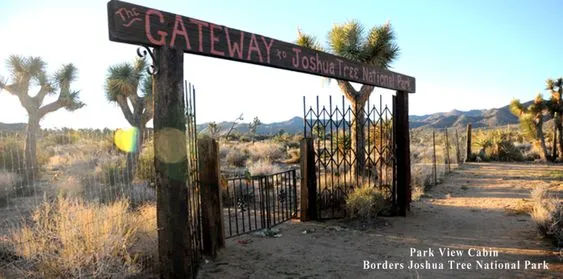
x=479 y=206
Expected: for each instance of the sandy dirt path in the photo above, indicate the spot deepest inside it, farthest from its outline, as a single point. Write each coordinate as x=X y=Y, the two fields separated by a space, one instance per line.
x=470 y=210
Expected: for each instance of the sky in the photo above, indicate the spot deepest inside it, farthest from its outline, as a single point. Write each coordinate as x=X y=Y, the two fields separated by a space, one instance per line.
x=464 y=54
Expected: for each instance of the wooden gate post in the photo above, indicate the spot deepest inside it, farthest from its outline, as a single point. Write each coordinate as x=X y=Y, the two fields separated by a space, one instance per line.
x=434 y=170
x=308 y=181
x=402 y=141
x=170 y=160
x=457 y=151
x=212 y=209
x=447 y=155
x=468 y=144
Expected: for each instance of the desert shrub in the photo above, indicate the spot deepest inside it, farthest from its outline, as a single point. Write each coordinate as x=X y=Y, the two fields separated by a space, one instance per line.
x=267 y=150
x=145 y=164
x=503 y=148
x=498 y=145
x=547 y=213
x=70 y=238
x=237 y=157
x=263 y=167
x=365 y=202
x=223 y=151
x=422 y=176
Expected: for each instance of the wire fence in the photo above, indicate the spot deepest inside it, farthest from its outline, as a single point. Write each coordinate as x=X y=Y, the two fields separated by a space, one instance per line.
x=87 y=208
x=434 y=154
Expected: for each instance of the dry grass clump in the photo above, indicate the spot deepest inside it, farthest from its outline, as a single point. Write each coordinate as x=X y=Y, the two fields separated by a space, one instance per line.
x=263 y=167
x=547 y=213
x=236 y=157
x=365 y=202
x=70 y=238
x=268 y=150
x=422 y=179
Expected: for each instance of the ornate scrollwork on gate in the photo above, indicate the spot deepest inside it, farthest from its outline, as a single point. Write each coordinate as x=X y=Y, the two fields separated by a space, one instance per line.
x=142 y=52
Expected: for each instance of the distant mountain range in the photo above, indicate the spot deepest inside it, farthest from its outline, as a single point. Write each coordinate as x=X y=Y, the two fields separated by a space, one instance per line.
x=455 y=118
x=12 y=127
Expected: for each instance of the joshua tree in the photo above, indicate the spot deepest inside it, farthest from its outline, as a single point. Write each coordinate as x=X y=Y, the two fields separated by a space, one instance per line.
x=376 y=47
x=555 y=108
x=240 y=118
x=213 y=129
x=531 y=121
x=123 y=83
x=253 y=126
x=26 y=72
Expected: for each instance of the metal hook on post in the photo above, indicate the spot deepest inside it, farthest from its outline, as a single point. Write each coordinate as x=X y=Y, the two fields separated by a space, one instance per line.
x=142 y=52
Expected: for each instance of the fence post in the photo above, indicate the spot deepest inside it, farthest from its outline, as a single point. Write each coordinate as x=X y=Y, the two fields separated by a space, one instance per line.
x=468 y=144
x=447 y=157
x=434 y=171
x=308 y=181
x=401 y=130
x=457 y=151
x=211 y=207
x=170 y=162
x=294 y=173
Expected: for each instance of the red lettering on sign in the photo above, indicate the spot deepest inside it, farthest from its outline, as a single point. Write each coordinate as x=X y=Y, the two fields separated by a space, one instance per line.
x=253 y=46
x=268 y=46
x=214 y=39
x=180 y=29
x=235 y=47
x=200 y=25
x=295 y=60
x=161 y=33
x=339 y=66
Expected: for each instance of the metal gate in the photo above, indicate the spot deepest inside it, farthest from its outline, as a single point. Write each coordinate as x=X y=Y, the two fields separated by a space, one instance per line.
x=258 y=202
x=192 y=182
x=337 y=165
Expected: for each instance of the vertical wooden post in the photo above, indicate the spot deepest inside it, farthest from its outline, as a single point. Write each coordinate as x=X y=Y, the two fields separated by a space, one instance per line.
x=170 y=160
x=468 y=144
x=211 y=207
x=308 y=181
x=554 y=146
x=457 y=151
x=447 y=156
x=403 y=152
x=434 y=171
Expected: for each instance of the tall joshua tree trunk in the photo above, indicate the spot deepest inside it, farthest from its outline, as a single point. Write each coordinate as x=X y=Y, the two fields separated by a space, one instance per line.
x=539 y=136
x=358 y=139
x=30 y=162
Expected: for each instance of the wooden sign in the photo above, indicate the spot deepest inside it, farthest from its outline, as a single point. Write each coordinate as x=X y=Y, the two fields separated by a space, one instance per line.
x=129 y=23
